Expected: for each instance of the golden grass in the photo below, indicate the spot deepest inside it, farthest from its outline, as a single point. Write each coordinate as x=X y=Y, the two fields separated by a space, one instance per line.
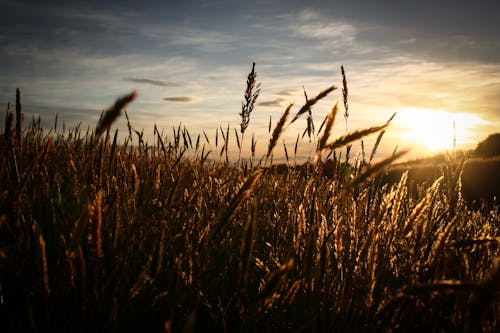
x=310 y=102
x=101 y=235
x=278 y=129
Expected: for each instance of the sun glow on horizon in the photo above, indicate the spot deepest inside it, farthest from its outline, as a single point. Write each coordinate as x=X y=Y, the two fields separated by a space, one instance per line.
x=437 y=130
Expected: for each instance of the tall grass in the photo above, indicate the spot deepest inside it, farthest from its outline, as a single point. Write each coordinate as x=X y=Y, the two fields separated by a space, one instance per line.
x=101 y=236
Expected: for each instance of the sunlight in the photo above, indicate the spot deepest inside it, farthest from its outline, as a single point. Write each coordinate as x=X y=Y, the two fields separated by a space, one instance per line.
x=436 y=130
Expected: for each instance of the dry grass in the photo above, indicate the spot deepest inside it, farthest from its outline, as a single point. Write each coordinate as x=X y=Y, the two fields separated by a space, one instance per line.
x=113 y=112
x=101 y=236
x=278 y=129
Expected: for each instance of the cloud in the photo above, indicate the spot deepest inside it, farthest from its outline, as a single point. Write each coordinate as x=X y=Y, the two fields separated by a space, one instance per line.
x=152 y=82
x=312 y=25
x=278 y=102
x=205 y=40
x=286 y=93
x=181 y=99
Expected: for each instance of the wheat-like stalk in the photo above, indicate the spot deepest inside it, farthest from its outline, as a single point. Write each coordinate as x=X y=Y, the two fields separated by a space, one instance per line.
x=310 y=123
x=353 y=136
x=296 y=146
x=278 y=129
x=235 y=202
x=237 y=139
x=345 y=94
x=253 y=145
x=9 y=121
x=330 y=119
x=113 y=112
x=286 y=151
x=45 y=267
x=97 y=224
x=376 y=168
x=247 y=247
x=276 y=278
x=251 y=93
x=161 y=248
x=19 y=118
x=379 y=138
x=313 y=101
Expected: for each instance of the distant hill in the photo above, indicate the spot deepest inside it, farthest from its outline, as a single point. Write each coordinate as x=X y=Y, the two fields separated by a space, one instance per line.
x=480 y=176
x=489 y=147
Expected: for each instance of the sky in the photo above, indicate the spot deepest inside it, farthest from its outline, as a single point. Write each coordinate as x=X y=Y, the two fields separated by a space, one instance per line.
x=434 y=63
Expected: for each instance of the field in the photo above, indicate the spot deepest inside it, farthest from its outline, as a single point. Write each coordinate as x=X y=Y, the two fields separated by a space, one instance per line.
x=97 y=235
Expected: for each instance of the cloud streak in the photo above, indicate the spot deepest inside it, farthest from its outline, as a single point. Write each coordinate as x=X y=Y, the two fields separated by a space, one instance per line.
x=181 y=99
x=152 y=82
x=278 y=102
x=286 y=93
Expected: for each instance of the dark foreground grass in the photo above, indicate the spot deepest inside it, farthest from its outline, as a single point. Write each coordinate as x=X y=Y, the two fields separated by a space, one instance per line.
x=101 y=236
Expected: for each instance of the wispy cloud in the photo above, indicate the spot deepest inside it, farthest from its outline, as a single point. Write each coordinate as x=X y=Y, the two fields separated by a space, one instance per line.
x=208 y=41
x=312 y=25
x=278 y=102
x=152 y=82
x=181 y=99
x=286 y=93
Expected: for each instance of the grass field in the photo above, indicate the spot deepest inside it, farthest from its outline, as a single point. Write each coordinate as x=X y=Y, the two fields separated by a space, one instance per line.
x=97 y=235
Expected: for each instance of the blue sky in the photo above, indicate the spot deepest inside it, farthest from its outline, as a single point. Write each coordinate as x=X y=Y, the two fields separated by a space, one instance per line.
x=188 y=60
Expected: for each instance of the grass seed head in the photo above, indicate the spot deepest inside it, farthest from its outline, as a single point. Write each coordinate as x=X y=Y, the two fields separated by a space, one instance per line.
x=113 y=112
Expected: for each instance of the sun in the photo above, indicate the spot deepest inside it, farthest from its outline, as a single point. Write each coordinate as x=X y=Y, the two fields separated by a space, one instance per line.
x=436 y=130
